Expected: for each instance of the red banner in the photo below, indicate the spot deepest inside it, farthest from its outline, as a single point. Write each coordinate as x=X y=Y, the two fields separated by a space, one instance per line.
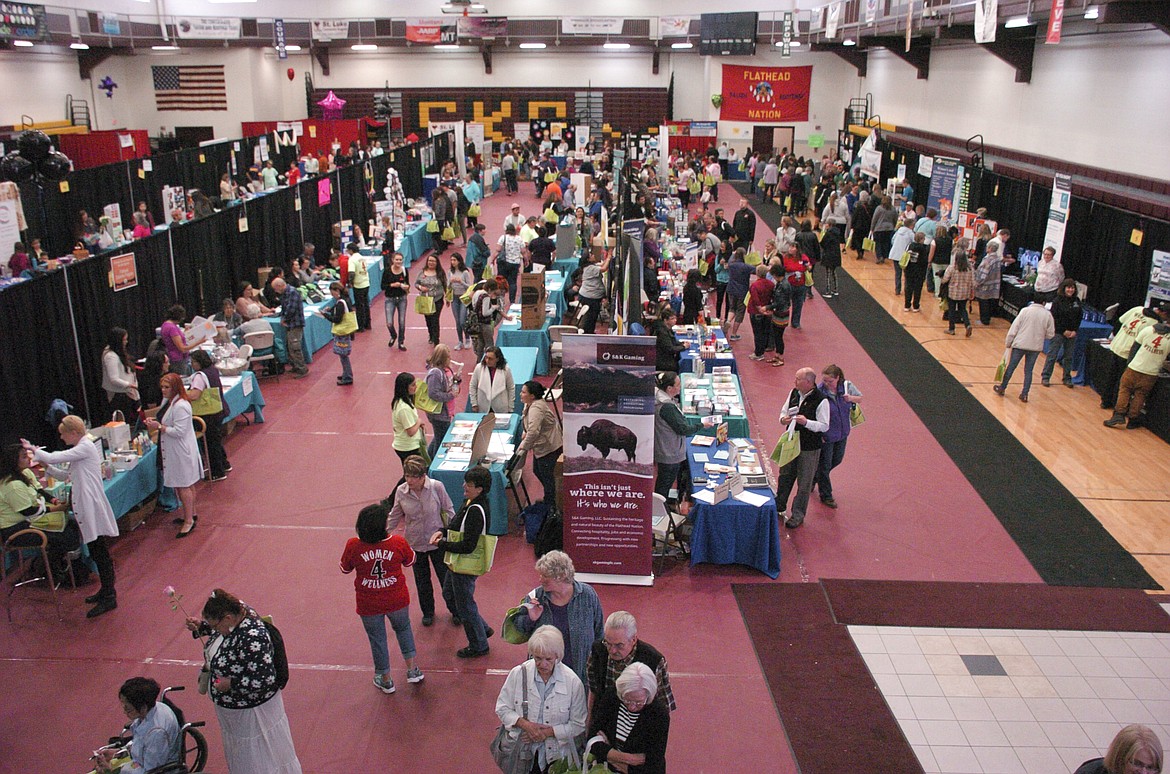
x=1055 y=22
x=765 y=94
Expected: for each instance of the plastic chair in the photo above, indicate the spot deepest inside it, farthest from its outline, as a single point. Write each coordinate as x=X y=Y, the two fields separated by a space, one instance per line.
x=201 y=438
x=556 y=348
x=637 y=329
x=554 y=393
x=263 y=344
x=40 y=546
x=514 y=473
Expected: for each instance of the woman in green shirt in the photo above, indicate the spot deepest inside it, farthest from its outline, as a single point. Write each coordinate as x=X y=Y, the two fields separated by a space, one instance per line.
x=21 y=499
x=409 y=436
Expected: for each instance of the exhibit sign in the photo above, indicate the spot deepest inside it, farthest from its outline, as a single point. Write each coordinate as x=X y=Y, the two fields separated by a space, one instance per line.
x=609 y=457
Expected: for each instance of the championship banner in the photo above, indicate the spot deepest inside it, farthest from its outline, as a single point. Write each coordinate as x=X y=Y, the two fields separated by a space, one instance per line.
x=609 y=457
x=832 y=20
x=986 y=19
x=765 y=93
x=871 y=11
x=431 y=31
x=482 y=26
x=208 y=29
x=1058 y=213
x=946 y=175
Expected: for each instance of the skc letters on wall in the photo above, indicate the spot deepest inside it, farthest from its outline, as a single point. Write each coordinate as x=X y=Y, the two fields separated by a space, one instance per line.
x=765 y=94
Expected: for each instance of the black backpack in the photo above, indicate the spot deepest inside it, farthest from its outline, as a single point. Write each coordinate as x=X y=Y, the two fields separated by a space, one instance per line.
x=551 y=534
x=279 y=656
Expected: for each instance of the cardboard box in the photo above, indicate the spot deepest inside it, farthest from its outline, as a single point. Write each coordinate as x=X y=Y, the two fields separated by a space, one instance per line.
x=532 y=301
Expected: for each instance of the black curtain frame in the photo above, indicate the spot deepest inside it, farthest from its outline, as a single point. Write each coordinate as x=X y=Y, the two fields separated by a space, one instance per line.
x=53 y=327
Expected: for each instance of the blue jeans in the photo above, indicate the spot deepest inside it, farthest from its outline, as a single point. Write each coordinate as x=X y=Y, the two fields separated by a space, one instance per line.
x=346 y=368
x=797 y=305
x=459 y=309
x=897 y=278
x=510 y=272
x=439 y=427
x=392 y=306
x=1059 y=348
x=1029 y=357
x=459 y=594
x=832 y=453
x=376 y=631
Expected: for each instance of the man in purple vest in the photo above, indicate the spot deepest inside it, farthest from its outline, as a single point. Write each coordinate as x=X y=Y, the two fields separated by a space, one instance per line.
x=807 y=408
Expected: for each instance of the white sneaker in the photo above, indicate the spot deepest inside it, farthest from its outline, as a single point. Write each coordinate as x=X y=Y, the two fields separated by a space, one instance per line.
x=415 y=675
x=384 y=687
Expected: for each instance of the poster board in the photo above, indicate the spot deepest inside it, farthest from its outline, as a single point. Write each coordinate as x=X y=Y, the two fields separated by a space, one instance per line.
x=532 y=300
x=1058 y=213
x=609 y=463
x=1159 y=277
x=123 y=272
x=174 y=199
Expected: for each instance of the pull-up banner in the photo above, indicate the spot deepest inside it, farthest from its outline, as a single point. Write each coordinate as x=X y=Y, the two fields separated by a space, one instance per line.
x=765 y=94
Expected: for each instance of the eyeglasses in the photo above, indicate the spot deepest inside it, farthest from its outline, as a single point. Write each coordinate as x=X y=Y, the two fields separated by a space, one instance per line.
x=615 y=645
x=1140 y=766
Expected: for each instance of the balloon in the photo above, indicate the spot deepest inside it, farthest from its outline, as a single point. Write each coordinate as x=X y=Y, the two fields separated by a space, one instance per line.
x=55 y=166
x=291 y=73
x=16 y=168
x=34 y=144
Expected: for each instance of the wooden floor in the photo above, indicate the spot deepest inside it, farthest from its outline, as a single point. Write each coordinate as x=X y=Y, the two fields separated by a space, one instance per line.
x=1122 y=476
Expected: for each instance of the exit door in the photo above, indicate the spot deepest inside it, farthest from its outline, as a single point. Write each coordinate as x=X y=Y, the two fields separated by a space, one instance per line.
x=769 y=140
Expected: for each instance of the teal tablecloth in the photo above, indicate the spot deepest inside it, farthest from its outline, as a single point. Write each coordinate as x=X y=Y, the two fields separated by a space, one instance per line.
x=522 y=361
x=238 y=402
x=737 y=427
x=452 y=481
x=566 y=266
x=415 y=242
x=373 y=256
x=510 y=335
x=318 y=333
x=554 y=285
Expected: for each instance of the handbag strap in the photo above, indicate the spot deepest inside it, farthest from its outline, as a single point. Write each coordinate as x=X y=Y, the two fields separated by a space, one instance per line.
x=524 y=699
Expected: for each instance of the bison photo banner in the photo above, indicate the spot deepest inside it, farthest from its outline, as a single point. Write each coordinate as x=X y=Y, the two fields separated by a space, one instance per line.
x=609 y=457
x=765 y=94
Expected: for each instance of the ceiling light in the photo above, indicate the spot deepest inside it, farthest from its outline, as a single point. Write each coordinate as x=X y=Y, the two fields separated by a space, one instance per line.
x=79 y=46
x=364 y=47
x=164 y=48
x=1019 y=21
x=1092 y=13
x=292 y=48
x=791 y=44
x=616 y=46
x=532 y=45
x=22 y=43
x=447 y=47
x=849 y=42
x=682 y=46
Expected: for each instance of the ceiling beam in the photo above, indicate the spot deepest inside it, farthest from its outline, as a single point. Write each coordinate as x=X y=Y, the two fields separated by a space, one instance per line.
x=654 y=64
x=87 y=61
x=1157 y=14
x=917 y=57
x=321 y=54
x=1015 y=48
x=851 y=54
x=486 y=51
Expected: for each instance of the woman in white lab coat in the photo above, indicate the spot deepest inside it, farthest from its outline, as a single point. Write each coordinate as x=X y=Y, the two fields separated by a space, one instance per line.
x=182 y=466
x=492 y=387
x=90 y=506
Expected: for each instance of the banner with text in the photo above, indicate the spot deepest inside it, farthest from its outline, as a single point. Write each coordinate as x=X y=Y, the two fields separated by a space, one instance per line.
x=609 y=456
x=431 y=31
x=208 y=29
x=329 y=29
x=944 y=181
x=1058 y=213
x=765 y=94
x=1159 y=277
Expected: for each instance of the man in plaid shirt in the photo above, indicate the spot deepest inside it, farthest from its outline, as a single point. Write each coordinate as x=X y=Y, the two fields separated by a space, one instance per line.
x=617 y=649
x=292 y=317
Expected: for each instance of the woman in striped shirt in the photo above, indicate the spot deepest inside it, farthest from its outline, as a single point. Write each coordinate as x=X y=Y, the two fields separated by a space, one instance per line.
x=633 y=729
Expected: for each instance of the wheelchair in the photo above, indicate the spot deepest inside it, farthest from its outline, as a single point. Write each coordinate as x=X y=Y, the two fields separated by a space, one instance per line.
x=193 y=749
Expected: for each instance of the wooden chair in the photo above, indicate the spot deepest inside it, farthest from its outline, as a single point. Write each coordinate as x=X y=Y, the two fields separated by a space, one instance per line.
x=39 y=546
x=201 y=439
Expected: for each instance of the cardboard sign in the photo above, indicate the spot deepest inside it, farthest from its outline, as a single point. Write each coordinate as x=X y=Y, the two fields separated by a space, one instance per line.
x=123 y=272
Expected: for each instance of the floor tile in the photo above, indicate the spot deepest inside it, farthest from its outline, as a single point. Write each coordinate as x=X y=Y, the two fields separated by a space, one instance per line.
x=855 y=629
x=1042 y=646
x=920 y=685
x=879 y=663
x=971 y=645
x=900 y=643
x=1126 y=711
x=1092 y=666
x=1159 y=708
x=1011 y=709
x=869 y=643
x=1039 y=760
x=1075 y=756
x=910 y=664
x=926 y=758
x=912 y=729
x=1065 y=734
x=1020 y=665
x=931 y=708
x=958 y=685
x=900 y=707
x=1109 y=687
x=1149 y=648
x=1111 y=646
x=984 y=733
x=1006 y=646
x=1025 y=733
x=991 y=686
x=1101 y=734
x=1051 y=665
x=939 y=644
x=998 y=760
x=959 y=760
x=1033 y=687
x=970 y=708
x=1159 y=666
x=943 y=732
x=1050 y=708
x=1076 y=646
x=1129 y=667
x=947 y=664
x=889 y=684
x=928 y=631
x=1149 y=689
x=1091 y=710
x=982 y=665
x=1072 y=687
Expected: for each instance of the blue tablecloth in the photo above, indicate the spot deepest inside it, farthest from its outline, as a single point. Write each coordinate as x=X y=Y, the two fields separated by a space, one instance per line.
x=238 y=402
x=522 y=361
x=130 y=487
x=318 y=333
x=737 y=427
x=1085 y=334
x=452 y=481
x=733 y=532
x=415 y=242
x=510 y=335
x=566 y=266
x=686 y=360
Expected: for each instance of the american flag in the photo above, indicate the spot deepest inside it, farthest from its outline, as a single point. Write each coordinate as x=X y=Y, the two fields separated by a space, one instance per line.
x=189 y=87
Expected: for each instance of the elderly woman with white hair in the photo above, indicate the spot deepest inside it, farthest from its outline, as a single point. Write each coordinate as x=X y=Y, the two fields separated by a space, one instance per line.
x=566 y=603
x=632 y=726
x=542 y=702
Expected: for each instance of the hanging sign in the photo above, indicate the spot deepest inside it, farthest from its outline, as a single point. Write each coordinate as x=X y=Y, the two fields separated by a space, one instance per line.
x=1055 y=22
x=1159 y=277
x=23 y=21
x=324 y=192
x=765 y=94
x=609 y=469
x=326 y=30
x=208 y=28
x=1058 y=213
x=591 y=25
x=278 y=35
x=986 y=19
x=123 y=272
x=431 y=31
